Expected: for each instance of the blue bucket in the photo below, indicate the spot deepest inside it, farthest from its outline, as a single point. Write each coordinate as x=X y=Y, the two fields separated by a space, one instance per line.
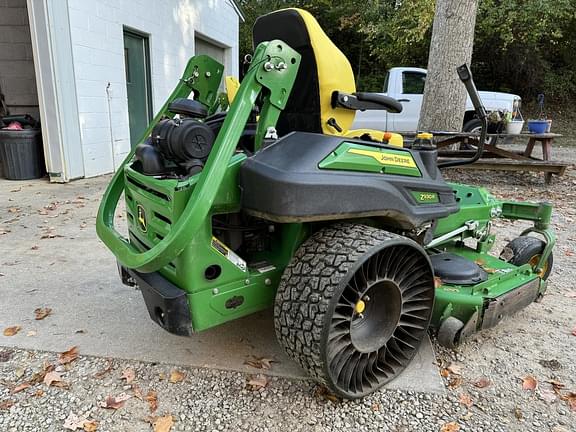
x=537 y=126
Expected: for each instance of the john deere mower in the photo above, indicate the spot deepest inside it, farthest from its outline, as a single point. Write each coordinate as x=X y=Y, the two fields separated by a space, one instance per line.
x=353 y=237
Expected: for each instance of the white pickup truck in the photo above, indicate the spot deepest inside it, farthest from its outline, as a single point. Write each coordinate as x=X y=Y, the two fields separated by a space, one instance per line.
x=406 y=84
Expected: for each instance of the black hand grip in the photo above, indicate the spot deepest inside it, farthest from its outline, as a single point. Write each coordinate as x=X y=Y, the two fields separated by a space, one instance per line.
x=403 y=100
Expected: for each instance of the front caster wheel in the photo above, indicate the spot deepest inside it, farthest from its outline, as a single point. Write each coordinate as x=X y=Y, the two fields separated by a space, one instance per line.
x=449 y=332
x=527 y=250
x=353 y=306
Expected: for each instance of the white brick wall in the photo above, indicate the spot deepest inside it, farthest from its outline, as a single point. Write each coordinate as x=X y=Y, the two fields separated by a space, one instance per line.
x=98 y=55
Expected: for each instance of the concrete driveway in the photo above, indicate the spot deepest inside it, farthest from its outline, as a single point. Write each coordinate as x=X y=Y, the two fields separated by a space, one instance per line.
x=50 y=257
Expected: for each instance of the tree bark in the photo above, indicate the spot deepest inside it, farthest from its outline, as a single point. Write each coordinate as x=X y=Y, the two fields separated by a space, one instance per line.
x=444 y=98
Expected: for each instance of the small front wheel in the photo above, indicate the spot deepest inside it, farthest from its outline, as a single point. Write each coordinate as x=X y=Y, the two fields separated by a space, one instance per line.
x=527 y=250
x=449 y=332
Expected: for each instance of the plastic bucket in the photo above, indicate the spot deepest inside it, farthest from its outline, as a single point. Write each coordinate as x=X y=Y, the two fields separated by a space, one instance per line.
x=21 y=154
x=537 y=126
x=514 y=127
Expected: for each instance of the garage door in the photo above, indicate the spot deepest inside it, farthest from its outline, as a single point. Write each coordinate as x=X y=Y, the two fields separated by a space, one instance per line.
x=203 y=46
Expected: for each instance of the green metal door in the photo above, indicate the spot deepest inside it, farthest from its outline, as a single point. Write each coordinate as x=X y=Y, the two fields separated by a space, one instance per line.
x=137 y=84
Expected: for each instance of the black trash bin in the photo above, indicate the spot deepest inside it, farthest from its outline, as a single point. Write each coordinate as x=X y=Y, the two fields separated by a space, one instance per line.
x=21 y=154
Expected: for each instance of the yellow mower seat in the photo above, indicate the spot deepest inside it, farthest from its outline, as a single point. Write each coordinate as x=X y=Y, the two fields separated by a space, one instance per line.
x=324 y=70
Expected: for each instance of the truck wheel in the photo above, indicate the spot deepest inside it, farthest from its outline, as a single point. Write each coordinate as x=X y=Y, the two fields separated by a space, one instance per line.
x=475 y=125
x=527 y=250
x=353 y=307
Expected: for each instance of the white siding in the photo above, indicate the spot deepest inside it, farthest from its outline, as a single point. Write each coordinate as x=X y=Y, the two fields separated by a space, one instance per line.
x=98 y=52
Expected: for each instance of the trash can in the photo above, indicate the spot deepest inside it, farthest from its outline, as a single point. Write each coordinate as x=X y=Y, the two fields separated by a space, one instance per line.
x=21 y=154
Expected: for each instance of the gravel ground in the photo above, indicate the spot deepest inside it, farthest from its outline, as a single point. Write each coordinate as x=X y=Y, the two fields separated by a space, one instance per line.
x=535 y=343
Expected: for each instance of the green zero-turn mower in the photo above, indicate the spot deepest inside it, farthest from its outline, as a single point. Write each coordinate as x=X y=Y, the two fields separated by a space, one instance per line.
x=357 y=242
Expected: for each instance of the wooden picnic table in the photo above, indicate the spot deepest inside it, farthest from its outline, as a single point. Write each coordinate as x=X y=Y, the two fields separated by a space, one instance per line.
x=497 y=158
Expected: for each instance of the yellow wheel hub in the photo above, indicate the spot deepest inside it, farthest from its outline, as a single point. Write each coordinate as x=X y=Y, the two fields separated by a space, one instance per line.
x=534 y=262
x=360 y=306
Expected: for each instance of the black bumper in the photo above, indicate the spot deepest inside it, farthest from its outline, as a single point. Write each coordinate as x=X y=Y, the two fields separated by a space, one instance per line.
x=166 y=303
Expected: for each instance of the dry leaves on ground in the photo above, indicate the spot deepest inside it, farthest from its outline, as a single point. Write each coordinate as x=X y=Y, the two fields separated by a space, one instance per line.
x=450 y=427
x=73 y=422
x=570 y=398
x=129 y=375
x=465 y=400
x=152 y=399
x=68 y=356
x=177 y=376
x=11 y=331
x=529 y=383
x=115 y=402
x=163 y=424
x=259 y=362
x=6 y=404
x=257 y=382
x=19 y=388
x=41 y=313
x=481 y=382
x=54 y=379
x=455 y=382
x=323 y=393
x=100 y=374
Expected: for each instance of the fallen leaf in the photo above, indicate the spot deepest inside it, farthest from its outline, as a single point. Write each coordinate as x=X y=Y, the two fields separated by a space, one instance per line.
x=467 y=416
x=104 y=371
x=257 y=382
x=39 y=393
x=73 y=422
x=39 y=376
x=163 y=424
x=5 y=355
x=529 y=383
x=115 y=403
x=137 y=391
x=518 y=413
x=259 y=362
x=50 y=378
x=547 y=395
x=454 y=382
x=152 y=400
x=551 y=364
x=161 y=376
x=68 y=356
x=19 y=372
x=129 y=375
x=556 y=385
x=444 y=373
x=176 y=376
x=322 y=392
x=465 y=400
x=450 y=427
x=90 y=426
x=11 y=331
x=20 y=387
x=6 y=404
x=13 y=210
x=455 y=368
x=571 y=399
x=481 y=382
x=375 y=407
x=41 y=313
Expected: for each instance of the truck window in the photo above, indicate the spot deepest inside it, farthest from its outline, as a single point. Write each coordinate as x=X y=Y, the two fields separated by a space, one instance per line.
x=413 y=82
x=386 y=79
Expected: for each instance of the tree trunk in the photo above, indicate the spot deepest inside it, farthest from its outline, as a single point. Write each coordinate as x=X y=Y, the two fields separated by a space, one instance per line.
x=444 y=98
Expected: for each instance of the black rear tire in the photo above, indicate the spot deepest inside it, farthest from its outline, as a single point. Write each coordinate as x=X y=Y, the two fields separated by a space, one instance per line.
x=353 y=307
x=527 y=250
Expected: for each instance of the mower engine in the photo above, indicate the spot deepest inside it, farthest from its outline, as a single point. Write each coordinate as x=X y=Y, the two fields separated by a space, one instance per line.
x=178 y=147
